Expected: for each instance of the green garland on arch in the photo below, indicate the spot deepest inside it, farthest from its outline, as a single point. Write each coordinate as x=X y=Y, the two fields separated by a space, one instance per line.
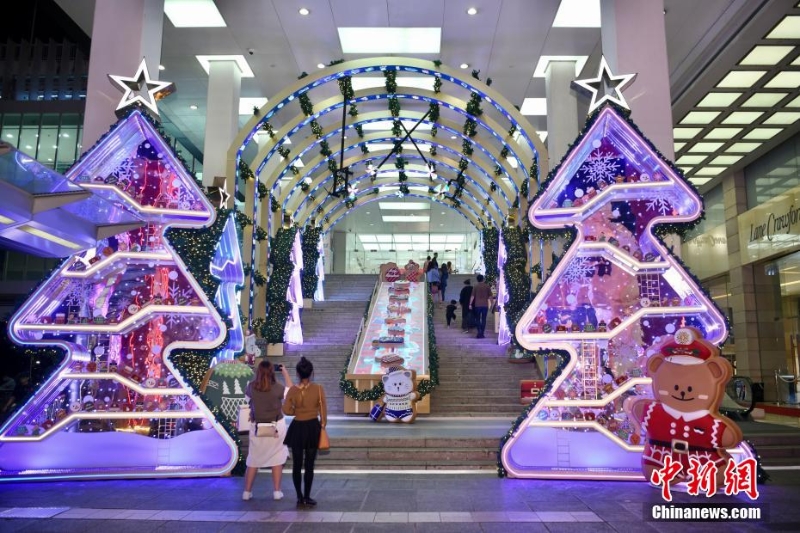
x=310 y=242
x=518 y=281
x=491 y=243
x=282 y=267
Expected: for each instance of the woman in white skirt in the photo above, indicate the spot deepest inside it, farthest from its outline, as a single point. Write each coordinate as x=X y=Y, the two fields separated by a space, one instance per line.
x=267 y=428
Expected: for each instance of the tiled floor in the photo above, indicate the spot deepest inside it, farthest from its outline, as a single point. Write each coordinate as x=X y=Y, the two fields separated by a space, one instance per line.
x=354 y=503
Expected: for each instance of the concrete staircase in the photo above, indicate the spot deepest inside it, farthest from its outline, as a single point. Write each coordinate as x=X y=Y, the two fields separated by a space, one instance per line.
x=329 y=330
x=476 y=381
x=475 y=377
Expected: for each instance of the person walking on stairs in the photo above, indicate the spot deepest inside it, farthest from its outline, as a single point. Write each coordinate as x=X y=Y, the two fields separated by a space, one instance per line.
x=480 y=305
x=450 y=312
x=306 y=402
x=464 y=299
x=444 y=274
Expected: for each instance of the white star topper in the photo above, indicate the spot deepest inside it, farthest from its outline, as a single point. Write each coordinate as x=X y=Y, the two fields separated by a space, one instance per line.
x=141 y=89
x=609 y=85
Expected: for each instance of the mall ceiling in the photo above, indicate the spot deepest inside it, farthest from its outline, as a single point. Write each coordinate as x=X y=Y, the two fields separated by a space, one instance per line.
x=505 y=41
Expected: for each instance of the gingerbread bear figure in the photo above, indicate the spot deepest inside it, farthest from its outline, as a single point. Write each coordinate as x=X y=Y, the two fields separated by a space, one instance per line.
x=683 y=420
x=400 y=401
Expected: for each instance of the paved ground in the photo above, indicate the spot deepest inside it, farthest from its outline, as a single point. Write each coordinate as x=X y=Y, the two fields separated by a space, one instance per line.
x=375 y=502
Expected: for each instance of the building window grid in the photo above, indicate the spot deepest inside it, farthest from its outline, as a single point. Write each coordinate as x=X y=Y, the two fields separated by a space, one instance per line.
x=67 y=158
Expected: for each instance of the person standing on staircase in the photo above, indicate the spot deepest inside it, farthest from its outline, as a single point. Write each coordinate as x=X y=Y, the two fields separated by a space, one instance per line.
x=267 y=428
x=444 y=274
x=306 y=402
x=464 y=298
x=480 y=305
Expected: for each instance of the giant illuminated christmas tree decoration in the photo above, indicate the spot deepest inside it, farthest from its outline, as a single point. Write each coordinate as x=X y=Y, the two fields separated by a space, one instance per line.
x=117 y=406
x=614 y=294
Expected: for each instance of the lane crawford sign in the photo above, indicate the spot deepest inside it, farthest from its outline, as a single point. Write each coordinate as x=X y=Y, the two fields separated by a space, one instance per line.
x=772 y=228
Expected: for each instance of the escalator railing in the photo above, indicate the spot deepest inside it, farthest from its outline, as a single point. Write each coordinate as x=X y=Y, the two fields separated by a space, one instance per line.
x=739 y=400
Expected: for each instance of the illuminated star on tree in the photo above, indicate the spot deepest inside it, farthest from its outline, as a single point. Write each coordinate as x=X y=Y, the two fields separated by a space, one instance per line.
x=606 y=87
x=141 y=89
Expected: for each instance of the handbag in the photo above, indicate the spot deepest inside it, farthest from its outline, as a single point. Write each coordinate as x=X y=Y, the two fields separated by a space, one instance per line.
x=243 y=420
x=324 y=441
x=267 y=430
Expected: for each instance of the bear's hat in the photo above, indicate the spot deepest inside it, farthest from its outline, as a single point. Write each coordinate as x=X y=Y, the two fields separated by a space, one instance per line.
x=688 y=347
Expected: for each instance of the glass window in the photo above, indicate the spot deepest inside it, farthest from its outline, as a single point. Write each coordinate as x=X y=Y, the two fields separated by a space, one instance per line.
x=48 y=139
x=67 y=142
x=774 y=173
x=29 y=135
x=11 y=124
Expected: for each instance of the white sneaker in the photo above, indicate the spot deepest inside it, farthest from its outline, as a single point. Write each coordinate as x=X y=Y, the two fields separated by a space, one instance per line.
x=277 y=495
x=247 y=496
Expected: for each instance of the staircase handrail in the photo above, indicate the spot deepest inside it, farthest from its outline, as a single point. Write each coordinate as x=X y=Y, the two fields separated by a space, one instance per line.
x=360 y=336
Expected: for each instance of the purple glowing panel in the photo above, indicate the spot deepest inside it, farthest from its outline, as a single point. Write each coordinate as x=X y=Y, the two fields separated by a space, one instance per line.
x=504 y=336
x=227 y=267
x=293 y=330
x=616 y=291
x=27 y=174
x=118 y=310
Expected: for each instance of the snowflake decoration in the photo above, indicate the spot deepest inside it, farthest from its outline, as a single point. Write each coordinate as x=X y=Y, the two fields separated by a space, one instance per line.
x=125 y=170
x=660 y=202
x=600 y=165
x=579 y=270
x=74 y=294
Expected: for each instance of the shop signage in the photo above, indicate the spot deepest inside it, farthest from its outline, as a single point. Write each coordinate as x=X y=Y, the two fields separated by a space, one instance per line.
x=707 y=254
x=771 y=228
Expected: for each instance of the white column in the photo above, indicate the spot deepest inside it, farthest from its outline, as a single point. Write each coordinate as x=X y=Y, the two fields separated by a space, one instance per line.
x=562 y=109
x=634 y=40
x=222 y=118
x=123 y=32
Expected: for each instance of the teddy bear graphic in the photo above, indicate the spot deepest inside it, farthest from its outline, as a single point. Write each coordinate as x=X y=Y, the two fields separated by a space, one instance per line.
x=683 y=420
x=400 y=400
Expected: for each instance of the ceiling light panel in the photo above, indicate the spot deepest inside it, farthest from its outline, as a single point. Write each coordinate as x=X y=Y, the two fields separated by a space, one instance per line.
x=794 y=103
x=699 y=181
x=784 y=80
x=700 y=117
x=390 y=40
x=782 y=118
x=725 y=159
x=718 y=99
x=741 y=79
x=742 y=148
x=406 y=218
x=386 y=125
x=723 y=133
x=762 y=133
x=788 y=28
x=404 y=206
x=678 y=146
x=578 y=14
x=685 y=133
x=766 y=55
x=764 y=99
x=534 y=106
x=705 y=148
x=193 y=14
x=246 y=105
x=690 y=159
x=709 y=171
x=742 y=117
x=542 y=135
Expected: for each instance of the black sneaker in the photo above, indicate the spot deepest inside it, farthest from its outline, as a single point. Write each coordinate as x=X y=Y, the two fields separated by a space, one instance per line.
x=309 y=502
x=301 y=503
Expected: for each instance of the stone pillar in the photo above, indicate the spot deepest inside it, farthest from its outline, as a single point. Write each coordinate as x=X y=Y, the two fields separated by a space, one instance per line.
x=118 y=48
x=755 y=298
x=222 y=119
x=562 y=109
x=634 y=41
